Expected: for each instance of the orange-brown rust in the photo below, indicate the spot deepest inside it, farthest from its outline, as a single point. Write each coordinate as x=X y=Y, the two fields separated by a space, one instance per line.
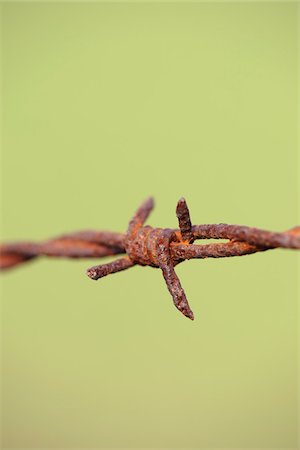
x=142 y=249
x=162 y=248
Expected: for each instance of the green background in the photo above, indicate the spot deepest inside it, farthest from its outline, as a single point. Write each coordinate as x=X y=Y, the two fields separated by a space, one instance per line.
x=104 y=105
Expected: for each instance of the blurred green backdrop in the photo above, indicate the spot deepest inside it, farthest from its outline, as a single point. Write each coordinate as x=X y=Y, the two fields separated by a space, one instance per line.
x=104 y=105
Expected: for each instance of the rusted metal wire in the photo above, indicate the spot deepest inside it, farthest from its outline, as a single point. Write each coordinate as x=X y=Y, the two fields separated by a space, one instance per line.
x=163 y=248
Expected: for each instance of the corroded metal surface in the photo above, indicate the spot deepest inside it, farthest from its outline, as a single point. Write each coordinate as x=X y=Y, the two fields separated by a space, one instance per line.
x=162 y=248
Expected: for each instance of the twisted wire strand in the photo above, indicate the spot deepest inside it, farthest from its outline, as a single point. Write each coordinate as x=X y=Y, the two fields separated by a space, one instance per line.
x=96 y=244
x=75 y=245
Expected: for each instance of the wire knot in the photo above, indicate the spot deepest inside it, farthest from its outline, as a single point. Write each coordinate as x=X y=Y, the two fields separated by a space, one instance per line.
x=146 y=245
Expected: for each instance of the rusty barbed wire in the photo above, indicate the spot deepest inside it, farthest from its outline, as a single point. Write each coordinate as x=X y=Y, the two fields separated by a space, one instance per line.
x=162 y=248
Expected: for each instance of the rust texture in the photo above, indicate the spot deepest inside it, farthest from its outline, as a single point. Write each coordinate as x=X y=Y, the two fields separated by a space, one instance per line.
x=162 y=248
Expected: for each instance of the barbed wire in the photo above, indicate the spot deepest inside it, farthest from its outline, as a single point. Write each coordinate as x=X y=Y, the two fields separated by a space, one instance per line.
x=162 y=248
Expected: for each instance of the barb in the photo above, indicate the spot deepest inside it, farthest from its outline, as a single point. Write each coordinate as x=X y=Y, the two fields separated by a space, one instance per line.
x=162 y=248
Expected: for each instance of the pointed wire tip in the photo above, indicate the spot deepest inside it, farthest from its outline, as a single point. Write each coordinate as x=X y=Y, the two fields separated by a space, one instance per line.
x=181 y=204
x=181 y=201
x=189 y=315
x=147 y=204
x=186 y=312
x=92 y=273
x=150 y=201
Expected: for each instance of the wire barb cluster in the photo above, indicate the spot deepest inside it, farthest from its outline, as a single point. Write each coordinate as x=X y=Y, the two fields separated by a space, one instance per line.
x=163 y=248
